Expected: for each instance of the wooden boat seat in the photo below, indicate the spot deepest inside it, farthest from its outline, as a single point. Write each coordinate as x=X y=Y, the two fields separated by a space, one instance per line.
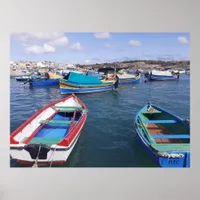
x=169 y=136
x=154 y=112
x=160 y=122
x=155 y=129
x=57 y=122
x=67 y=109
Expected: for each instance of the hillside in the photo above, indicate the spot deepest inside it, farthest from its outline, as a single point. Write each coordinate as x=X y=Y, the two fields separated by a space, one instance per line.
x=143 y=64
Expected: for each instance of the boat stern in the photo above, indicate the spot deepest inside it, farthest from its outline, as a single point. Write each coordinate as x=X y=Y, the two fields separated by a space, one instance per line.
x=174 y=160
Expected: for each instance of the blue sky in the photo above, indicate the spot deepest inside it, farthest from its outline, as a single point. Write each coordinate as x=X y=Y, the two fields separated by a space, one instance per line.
x=99 y=47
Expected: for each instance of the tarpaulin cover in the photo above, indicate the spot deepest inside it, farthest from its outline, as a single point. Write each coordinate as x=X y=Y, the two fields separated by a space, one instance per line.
x=83 y=79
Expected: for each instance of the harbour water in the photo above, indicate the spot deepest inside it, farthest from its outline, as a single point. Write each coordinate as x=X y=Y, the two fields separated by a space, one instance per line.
x=108 y=138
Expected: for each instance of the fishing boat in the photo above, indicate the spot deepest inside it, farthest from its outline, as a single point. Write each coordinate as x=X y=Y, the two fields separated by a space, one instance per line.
x=156 y=75
x=18 y=73
x=182 y=71
x=125 y=78
x=22 y=78
x=47 y=79
x=95 y=74
x=43 y=82
x=81 y=84
x=49 y=136
x=165 y=136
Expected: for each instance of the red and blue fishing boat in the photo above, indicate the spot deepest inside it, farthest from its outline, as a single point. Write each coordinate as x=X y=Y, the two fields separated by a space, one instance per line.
x=83 y=84
x=164 y=136
x=49 y=136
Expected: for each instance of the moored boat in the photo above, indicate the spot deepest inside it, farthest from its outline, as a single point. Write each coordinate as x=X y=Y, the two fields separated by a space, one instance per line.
x=79 y=83
x=49 y=136
x=44 y=82
x=47 y=80
x=165 y=136
x=129 y=78
x=22 y=78
x=156 y=75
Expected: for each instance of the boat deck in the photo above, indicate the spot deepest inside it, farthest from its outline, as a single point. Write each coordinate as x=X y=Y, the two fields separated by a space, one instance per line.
x=155 y=129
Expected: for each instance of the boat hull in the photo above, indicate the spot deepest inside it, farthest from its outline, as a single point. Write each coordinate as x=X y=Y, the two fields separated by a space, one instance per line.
x=128 y=81
x=162 y=78
x=47 y=82
x=69 y=90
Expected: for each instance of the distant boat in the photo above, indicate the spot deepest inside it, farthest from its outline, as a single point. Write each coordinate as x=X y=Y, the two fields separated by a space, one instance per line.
x=165 y=136
x=49 y=136
x=156 y=75
x=125 y=78
x=94 y=74
x=182 y=72
x=47 y=80
x=44 y=82
x=80 y=83
x=22 y=78
x=16 y=73
x=188 y=72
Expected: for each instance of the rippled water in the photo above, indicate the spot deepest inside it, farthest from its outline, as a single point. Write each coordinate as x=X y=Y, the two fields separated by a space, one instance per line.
x=108 y=138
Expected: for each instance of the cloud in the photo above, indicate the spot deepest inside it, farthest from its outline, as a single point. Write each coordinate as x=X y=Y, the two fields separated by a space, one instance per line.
x=107 y=45
x=182 y=40
x=76 y=47
x=102 y=35
x=87 y=61
x=30 y=37
x=50 y=40
x=36 y=49
x=62 y=41
x=135 y=43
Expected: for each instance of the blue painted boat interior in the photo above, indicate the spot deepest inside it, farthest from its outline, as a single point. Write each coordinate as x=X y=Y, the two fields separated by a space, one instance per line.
x=55 y=132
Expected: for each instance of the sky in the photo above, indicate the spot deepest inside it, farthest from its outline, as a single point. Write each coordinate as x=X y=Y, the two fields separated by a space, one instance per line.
x=88 y=48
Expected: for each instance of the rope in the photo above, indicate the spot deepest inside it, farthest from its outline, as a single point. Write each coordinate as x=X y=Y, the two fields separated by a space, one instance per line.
x=36 y=160
x=149 y=82
x=151 y=109
x=52 y=157
x=172 y=155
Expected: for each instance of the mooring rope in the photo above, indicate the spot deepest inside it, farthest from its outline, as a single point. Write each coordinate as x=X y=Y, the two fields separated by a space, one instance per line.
x=151 y=109
x=36 y=160
x=52 y=157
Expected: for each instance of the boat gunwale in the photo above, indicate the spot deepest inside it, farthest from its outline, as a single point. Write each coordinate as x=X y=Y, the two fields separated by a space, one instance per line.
x=76 y=85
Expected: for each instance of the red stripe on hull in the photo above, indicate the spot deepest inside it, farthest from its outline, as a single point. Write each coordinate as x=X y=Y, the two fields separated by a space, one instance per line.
x=67 y=141
x=40 y=163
